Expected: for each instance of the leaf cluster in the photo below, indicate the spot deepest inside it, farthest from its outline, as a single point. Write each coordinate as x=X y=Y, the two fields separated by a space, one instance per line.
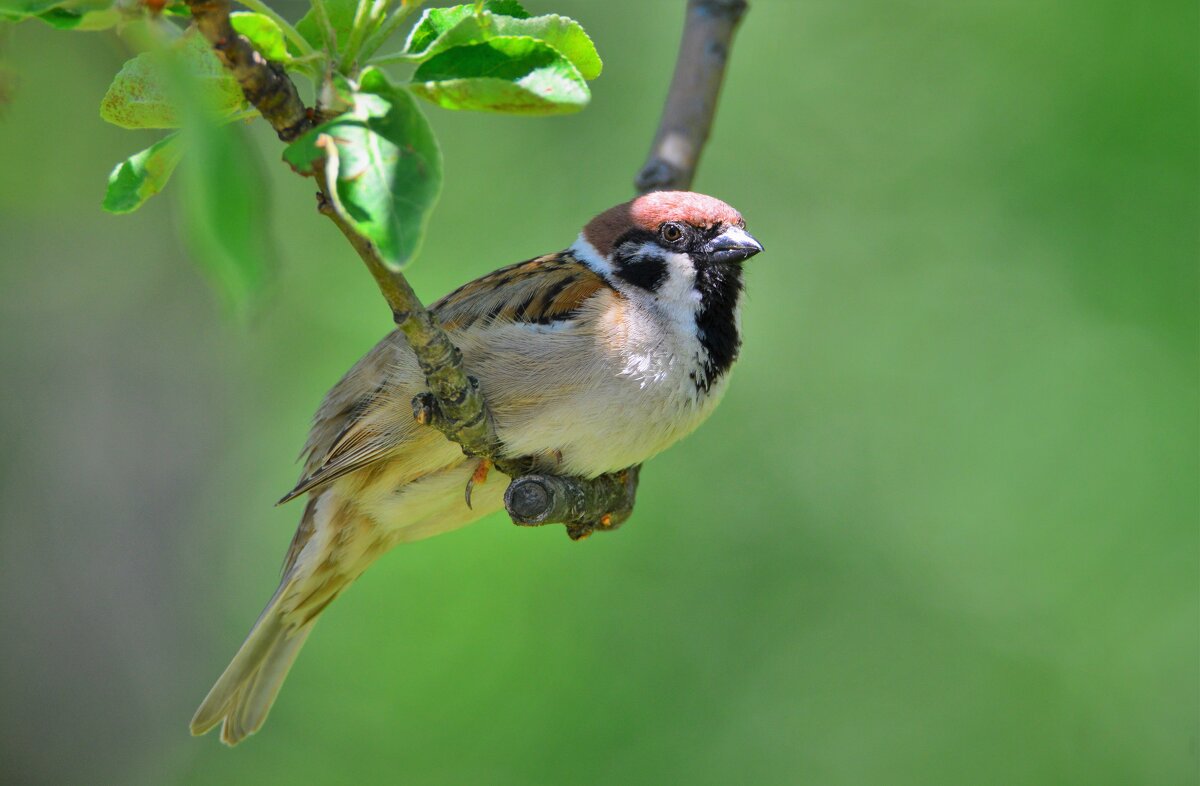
x=375 y=146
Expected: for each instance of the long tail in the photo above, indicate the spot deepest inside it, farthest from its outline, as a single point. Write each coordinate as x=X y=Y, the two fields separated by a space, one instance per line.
x=332 y=547
x=243 y=695
x=334 y=544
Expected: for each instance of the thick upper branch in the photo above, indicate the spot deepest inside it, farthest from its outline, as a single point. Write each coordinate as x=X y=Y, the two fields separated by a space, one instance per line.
x=692 y=98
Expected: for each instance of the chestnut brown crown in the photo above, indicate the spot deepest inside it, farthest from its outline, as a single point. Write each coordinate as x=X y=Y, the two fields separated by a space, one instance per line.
x=650 y=211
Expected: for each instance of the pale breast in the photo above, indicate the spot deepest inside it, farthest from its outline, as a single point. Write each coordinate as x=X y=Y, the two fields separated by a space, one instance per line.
x=609 y=389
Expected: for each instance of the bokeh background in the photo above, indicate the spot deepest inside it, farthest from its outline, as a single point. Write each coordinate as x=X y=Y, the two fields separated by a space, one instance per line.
x=943 y=529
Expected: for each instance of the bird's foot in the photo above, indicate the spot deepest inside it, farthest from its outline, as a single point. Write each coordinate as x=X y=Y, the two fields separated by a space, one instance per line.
x=478 y=476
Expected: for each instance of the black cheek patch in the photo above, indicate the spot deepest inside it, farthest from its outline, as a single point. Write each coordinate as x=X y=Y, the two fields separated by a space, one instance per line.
x=647 y=272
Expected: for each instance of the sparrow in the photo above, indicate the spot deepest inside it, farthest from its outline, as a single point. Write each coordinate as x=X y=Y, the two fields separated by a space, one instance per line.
x=591 y=360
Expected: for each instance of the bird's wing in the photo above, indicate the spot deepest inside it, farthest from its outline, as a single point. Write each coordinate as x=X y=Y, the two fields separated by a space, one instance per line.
x=361 y=419
x=367 y=416
x=540 y=291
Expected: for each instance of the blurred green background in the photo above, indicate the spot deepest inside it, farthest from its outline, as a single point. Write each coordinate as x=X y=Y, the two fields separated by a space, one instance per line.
x=943 y=529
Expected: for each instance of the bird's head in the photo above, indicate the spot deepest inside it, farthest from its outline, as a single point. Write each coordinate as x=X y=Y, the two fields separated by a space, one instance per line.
x=678 y=255
x=670 y=237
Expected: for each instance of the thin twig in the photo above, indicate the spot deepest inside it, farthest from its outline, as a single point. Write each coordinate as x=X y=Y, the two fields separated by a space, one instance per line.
x=692 y=99
x=358 y=30
x=380 y=36
x=457 y=408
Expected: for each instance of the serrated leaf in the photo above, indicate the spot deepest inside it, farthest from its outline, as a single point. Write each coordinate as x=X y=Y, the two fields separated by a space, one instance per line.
x=140 y=95
x=384 y=162
x=142 y=175
x=564 y=34
x=435 y=22
x=341 y=19
x=515 y=75
x=263 y=33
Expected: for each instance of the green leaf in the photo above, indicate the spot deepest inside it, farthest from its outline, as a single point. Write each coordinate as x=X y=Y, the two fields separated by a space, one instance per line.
x=140 y=95
x=62 y=14
x=507 y=7
x=341 y=19
x=63 y=19
x=16 y=10
x=435 y=22
x=564 y=34
x=142 y=175
x=385 y=163
x=224 y=215
x=264 y=34
x=515 y=75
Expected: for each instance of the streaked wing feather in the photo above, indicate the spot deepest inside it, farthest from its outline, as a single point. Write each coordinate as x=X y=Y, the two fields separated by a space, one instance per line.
x=539 y=291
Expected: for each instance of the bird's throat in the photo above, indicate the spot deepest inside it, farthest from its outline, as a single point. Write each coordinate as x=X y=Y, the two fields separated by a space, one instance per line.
x=720 y=288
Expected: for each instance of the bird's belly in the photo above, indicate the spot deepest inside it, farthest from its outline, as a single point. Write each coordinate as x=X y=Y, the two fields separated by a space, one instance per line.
x=615 y=422
x=613 y=438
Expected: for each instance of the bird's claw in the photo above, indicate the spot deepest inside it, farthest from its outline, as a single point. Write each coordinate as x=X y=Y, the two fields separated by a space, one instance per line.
x=478 y=476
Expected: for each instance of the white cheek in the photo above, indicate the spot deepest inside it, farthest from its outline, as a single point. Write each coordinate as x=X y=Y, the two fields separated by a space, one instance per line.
x=663 y=346
x=678 y=295
x=586 y=253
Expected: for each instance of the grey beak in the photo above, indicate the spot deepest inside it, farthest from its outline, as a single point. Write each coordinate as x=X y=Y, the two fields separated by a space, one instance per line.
x=733 y=245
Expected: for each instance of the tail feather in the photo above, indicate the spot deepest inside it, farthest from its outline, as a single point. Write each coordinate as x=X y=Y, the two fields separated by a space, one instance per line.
x=334 y=544
x=249 y=709
x=243 y=694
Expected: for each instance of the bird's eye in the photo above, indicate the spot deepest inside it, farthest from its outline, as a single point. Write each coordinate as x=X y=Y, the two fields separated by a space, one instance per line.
x=671 y=232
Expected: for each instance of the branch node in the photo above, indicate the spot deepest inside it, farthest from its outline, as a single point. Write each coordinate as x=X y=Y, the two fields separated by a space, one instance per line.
x=730 y=9
x=528 y=501
x=324 y=206
x=692 y=98
x=584 y=506
x=426 y=410
x=658 y=175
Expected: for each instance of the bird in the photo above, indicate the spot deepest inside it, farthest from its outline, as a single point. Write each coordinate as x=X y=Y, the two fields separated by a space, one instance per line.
x=591 y=360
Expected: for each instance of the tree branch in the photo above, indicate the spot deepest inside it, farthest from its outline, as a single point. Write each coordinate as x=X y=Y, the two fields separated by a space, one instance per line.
x=454 y=404
x=456 y=408
x=265 y=84
x=692 y=100
x=534 y=500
